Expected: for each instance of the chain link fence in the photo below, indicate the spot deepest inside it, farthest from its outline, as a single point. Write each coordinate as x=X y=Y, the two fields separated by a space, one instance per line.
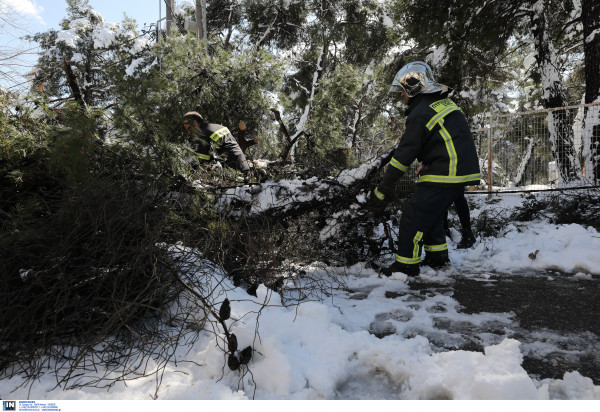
x=538 y=150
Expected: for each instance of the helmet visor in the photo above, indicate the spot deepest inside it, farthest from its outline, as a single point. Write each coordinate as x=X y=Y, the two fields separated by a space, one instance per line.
x=396 y=88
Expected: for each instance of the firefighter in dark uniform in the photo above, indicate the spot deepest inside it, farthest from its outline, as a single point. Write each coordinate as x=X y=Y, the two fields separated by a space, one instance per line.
x=210 y=138
x=437 y=134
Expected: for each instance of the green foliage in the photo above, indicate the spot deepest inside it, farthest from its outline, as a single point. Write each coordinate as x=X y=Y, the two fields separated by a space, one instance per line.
x=563 y=208
x=473 y=54
x=93 y=169
x=227 y=86
x=332 y=108
x=81 y=223
x=23 y=154
x=276 y=23
x=72 y=142
x=21 y=135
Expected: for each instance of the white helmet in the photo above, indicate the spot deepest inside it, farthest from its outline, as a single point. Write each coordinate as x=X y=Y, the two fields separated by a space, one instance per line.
x=415 y=78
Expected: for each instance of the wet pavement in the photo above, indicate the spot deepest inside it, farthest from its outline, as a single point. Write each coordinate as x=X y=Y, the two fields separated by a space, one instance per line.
x=555 y=316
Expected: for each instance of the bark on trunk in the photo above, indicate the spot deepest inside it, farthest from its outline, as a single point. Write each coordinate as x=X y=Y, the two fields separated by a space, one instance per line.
x=73 y=84
x=559 y=121
x=229 y=27
x=288 y=152
x=590 y=16
x=524 y=162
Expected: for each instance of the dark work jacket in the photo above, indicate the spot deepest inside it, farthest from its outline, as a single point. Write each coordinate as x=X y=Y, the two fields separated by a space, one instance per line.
x=211 y=137
x=437 y=134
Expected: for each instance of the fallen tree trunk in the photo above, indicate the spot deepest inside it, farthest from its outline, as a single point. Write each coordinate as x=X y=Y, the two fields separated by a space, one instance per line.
x=285 y=198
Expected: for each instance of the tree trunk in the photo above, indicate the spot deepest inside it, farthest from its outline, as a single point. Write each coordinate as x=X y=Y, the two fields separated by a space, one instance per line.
x=559 y=121
x=282 y=201
x=590 y=16
x=73 y=84
x=87 y=84
x=524 y=162
x=170 y=4
x=229 y=26
x=201 y=29
x=288 y=152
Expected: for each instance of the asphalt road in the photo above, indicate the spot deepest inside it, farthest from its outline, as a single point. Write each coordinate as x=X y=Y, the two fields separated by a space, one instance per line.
x=556 y=317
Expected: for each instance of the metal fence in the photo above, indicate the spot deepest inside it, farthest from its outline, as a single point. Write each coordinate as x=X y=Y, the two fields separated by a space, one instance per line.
x=542 y=149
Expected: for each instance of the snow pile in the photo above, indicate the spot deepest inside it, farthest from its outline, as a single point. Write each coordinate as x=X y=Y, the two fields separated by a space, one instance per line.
x=497 y=374
x=184 y=7
x=104 y=36
x=349 y=176
x=538 y=245
x=139 y=44
x=130 y=70
x=331 y=228
x=373 y=337
x=592 y=36
x=79 y=24
x=439 y=57
x=529 y=60
x=313 y=352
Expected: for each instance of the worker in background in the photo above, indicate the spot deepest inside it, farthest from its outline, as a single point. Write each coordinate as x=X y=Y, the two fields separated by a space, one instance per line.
x=209 y=139
x=437 y=134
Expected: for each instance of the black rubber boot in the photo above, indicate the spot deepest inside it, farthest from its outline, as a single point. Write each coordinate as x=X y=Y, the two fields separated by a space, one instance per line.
x=436 y=260
x=409 y=270
x=466 y=241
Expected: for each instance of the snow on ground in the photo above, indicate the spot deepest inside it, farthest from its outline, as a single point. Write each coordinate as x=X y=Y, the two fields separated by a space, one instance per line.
x=361 y=344
x=537 y=245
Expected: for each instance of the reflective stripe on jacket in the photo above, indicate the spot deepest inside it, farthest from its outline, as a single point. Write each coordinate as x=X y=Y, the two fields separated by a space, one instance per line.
x=211 y=137
x=437 y=134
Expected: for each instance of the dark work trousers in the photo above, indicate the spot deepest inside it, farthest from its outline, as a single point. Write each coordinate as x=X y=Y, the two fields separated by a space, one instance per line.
x=422 y=223
x=463 y=212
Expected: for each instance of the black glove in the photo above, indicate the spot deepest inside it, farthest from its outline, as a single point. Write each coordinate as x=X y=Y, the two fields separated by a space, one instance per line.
x=377 y=204
x=379 y=210
x=246 y=174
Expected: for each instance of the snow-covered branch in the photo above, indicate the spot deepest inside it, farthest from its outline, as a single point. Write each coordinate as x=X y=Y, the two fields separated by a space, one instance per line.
x=290 y=197
x=301 y=124
x=268 y=31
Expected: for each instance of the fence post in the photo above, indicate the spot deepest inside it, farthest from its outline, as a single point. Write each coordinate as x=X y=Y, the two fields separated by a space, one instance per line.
x=201 y=20
x=490 y=183
x=170 y=5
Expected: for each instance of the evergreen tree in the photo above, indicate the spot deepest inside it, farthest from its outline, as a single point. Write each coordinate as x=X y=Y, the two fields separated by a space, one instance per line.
x=332 y=49
x=275 y=23
x=76 y=59
x=553 y=94
x=466 y=51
